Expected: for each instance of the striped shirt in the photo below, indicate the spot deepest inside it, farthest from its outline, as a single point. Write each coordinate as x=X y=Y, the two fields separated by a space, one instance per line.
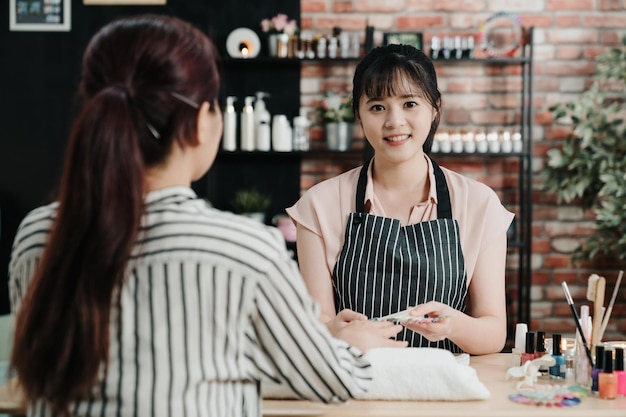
x=212 y=305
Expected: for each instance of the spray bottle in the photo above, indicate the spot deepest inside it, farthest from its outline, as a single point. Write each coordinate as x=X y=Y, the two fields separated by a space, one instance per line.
x=247 y=125
x=229 y=141
x=262 y=120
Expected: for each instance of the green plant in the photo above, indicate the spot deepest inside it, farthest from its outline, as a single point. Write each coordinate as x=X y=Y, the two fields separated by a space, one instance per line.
x=336 y=108
x=250 y=201
x=590 y=167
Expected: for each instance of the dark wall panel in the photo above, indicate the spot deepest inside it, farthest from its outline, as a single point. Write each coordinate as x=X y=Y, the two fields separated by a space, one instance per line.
x=39 y=72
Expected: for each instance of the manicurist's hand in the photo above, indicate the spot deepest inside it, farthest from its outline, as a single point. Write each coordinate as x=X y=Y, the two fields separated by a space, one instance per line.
x=440 y=320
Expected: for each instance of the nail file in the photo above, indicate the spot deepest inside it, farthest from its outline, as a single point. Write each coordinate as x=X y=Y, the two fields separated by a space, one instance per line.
x=598 y=306
x=592 y=284
x=404 y=317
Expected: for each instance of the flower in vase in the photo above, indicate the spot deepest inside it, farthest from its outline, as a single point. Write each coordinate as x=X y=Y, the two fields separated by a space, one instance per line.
x=336 y=107
x=279 y=24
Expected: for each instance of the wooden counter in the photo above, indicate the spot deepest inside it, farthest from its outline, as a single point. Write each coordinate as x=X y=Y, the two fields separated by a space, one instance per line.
x=490 y=369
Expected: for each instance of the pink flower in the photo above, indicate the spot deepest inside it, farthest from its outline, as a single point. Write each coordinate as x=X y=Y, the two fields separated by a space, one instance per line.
x=279 y=24
x=265 y=25
x=280 y=21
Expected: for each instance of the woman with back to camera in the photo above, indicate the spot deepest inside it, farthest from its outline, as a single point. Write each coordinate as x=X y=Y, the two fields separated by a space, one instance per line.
x=402 y=232
x=132 y=295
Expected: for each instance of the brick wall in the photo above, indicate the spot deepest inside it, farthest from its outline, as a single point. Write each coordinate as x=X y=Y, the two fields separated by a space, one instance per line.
x=568 y=35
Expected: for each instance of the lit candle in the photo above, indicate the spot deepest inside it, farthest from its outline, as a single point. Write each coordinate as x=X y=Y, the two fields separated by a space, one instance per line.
x=469 y=145
x=505 y=142
x=481 y=142
x=494 y=141
x=444 y=142
x=457 y=142
x=518 y=145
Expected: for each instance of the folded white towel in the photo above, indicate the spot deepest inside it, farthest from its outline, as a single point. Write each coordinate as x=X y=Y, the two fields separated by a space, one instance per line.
x=426 y=374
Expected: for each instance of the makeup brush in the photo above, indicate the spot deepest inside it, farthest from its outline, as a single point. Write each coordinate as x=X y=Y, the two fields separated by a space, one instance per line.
x=595 y=292
x=570 y=301
x=607 y=315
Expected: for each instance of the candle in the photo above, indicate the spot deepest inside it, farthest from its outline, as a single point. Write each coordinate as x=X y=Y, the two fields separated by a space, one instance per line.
x=505 y=142
x=469 y=145
x=444 y=142
x=518 y=145
x=494 y=141
x=457 y=142
x=481 y=142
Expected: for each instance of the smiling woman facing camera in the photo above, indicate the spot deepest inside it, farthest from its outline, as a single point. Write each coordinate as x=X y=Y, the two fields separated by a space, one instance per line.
x=401 y=232
x=132 y=295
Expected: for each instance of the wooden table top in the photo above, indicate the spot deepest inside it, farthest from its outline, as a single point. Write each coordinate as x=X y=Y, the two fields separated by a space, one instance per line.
x=490 y=369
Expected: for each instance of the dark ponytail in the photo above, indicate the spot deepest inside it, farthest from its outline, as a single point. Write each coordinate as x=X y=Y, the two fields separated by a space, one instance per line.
x=64 y=328
x=128 y=122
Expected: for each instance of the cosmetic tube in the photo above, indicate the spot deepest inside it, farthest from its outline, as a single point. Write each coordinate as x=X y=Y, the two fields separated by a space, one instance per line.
x=619 y=371
x=597 y=368
x=557 y=371
x=607 y=380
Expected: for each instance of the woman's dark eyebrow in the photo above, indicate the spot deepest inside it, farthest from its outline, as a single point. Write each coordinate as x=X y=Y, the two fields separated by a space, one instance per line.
x=404 y=96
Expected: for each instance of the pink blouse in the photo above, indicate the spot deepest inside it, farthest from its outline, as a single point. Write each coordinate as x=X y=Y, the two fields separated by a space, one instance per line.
x=324 y=210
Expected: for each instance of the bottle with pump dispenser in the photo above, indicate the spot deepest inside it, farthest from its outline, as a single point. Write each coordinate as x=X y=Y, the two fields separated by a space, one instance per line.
x=229 y=141
x=248 y=142
x=262 y=121
x=301 y=135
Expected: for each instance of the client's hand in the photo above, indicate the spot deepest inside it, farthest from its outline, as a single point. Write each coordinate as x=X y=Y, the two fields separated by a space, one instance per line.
x=440 y=325
x=362 y=333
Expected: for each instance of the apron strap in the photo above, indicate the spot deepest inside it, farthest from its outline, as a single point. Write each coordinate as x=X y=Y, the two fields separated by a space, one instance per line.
x=360 y=187
x=444 y=208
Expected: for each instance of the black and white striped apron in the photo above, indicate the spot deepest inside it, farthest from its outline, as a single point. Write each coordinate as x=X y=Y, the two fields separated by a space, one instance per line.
x=384 y=267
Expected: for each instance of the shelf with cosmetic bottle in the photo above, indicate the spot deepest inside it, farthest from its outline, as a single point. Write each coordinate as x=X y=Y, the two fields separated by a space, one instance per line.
x=511 y=142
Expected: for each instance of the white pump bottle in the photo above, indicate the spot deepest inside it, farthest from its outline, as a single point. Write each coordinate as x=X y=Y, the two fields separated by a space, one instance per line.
x=229 y=140
x=247 y=125
x=262 y=121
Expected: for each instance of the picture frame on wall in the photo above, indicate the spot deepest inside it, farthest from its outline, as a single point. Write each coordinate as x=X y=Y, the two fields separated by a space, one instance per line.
x=40 y=15
x=124 y=2
x=403 y=38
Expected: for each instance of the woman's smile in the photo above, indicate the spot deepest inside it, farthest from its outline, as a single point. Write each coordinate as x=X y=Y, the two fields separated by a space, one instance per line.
x=397 y=140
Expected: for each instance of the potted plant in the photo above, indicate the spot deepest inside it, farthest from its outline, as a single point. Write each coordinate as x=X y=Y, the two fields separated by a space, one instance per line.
x=251 y=203
x=336 y=113
x=589 y=169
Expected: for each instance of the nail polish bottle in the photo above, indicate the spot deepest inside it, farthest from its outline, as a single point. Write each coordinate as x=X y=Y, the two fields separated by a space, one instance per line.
x=529 y=351
x=607 y=380
x=619 y=371
x=540 y=350
x=557 y=371
x=598 y=367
